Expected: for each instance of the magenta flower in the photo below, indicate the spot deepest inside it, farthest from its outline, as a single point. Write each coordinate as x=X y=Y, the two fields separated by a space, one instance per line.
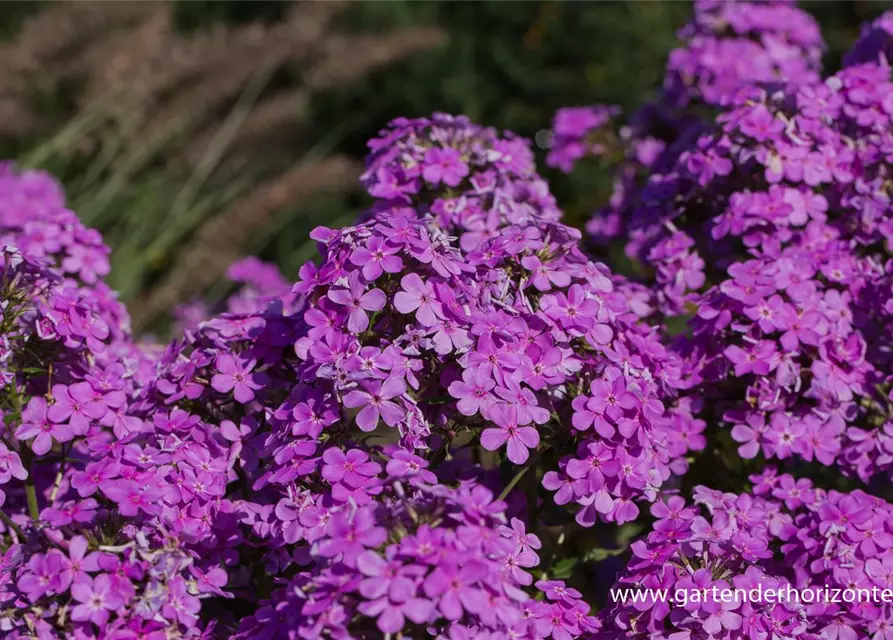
x=454 y=589
x=88 y=481
x=235 y=374
x=181 y=605
x=377 y=257
x=10 y=465
x=351 y=533
x=473 y=391
x=611 y=398
x=352 y=468
x=761 y=125
x=519 y=439
x=518 y=534
x=78 y=563
x=880 y=570
x=543 y=276
x=444 y=165
x=78 y=405
x=493 y=361
x=587 y=414
x=751 y=435
x=97 y=599
x=132 y=498
x=80 y=511
x=43 y=576
x=35 y=424
x=574 y=311
x=312 y=416
x=390 y=588
x=404 y=464
x=419 y=297
x=358 y=301
x=525 y=402
x=376 y=399
x=759 y=359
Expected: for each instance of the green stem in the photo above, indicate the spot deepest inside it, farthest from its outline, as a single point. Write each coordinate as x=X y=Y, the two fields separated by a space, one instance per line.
x=514 y=481
x=30 y=491
x=12 y=525
x=31 y=497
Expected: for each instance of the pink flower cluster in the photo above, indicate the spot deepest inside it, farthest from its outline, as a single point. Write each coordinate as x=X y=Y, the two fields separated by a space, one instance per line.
x=434 y=430
x=786 y=536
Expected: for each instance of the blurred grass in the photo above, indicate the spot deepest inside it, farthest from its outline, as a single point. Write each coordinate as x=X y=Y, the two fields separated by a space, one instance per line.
x=508 y=64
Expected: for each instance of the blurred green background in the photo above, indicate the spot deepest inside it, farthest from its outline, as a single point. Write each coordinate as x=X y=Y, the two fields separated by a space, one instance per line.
x=194 y=133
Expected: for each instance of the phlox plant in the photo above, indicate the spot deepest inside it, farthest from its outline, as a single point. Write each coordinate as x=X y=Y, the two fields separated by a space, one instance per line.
x=458 y=422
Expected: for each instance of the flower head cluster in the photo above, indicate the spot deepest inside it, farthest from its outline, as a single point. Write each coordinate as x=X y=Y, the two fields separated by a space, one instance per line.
x=800 y=544
x=769 y=225
x=575 y=134
x=471 y=179
x=70 y=465
x=414 y=438
x=732 y=45
x=875 y=42
x=258 y=284
x=426 y=556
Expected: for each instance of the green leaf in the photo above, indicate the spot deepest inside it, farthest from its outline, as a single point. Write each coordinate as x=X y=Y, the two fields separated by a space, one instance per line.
x=563 y=569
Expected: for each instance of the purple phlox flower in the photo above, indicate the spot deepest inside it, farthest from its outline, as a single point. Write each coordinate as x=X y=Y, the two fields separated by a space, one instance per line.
x=377 y=257
x=517 y=533
x=444 y=165
x=419 y=297
x=473 y=391
x=132 y=498
x=94 y=475
x=96 y=598
x=759 y=358
x=390 y=590
x=36 y=424
x=574 y=311
x=181 y=606
x=376 y=398
x=10 y=465
x=601 y=462
x=370 y=362
x=543 y=276
x=312 y=416
x=558 y=591
x=525 y=402
x=518 y=439
x=77 y=405
x=555 y=620
x=839 y=516
x=721 y=615
x=176 y=421
x=562 y=485
x=454 y=588
x=404 y=464
x=751 y=435
x=761 y=125
x=353 y=468
x=236 y=375
x=495 y=361
x=211 y=581
x=612 y=398
x=42 y=576
x=358 y=301
x=78 y=563
x=350 y=532
x=71 y=511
